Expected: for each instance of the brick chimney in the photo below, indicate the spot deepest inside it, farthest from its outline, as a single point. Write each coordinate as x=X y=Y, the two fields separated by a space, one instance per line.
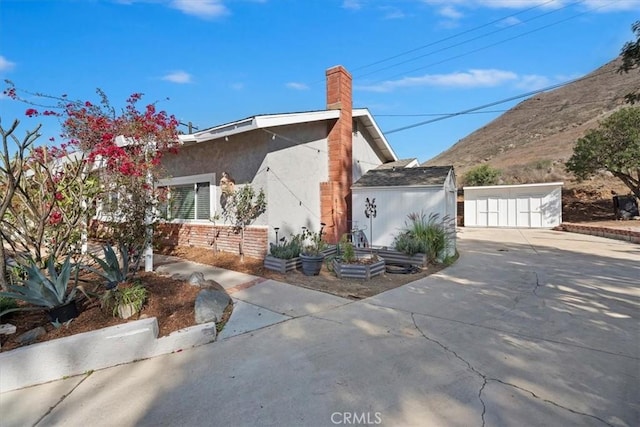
x=335 y=195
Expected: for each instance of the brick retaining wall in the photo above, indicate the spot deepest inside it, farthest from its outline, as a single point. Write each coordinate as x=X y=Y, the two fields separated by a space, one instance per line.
x=221 y=237
x=611 y=233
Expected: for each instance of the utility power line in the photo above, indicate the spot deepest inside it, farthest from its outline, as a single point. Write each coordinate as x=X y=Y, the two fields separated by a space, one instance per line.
x=491 y=104
x=467 y=40
x=453 y=36
x=491 y=45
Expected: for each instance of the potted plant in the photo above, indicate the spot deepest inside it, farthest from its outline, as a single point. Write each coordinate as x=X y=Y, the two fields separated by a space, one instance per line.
x=126 y=300
x=50 y=292
x=312 y=256
x=284 y=255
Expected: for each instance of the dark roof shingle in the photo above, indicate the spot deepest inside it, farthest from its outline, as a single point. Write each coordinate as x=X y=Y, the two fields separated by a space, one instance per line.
x=427 y=176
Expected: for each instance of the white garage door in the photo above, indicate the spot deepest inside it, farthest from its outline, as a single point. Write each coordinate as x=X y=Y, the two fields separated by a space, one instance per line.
x=502 y=211
x=529 y=211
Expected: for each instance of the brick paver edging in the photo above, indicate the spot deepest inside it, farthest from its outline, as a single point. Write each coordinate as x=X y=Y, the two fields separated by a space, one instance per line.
x=610 y=233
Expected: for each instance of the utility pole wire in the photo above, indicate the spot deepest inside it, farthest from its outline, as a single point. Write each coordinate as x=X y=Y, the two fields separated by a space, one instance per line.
x=479 y=27
x=490 y=45
x=463 y=42
x=491 y=104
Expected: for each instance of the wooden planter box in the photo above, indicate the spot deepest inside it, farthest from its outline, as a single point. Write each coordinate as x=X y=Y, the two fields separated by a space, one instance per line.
x=280 y=265
x=392 y=256
x=358 y=271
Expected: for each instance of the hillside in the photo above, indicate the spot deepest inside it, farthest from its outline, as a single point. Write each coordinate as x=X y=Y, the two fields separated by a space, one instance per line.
x=531 y=141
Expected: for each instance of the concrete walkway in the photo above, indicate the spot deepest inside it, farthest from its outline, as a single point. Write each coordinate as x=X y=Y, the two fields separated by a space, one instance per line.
x=531 y=327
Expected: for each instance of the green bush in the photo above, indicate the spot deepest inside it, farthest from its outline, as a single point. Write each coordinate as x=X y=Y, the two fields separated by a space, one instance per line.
x=348 y=253
x=429 y=236
x=482 y=175
x=287 y=249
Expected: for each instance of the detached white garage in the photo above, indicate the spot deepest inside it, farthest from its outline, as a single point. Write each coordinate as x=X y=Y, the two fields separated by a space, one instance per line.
x=520 y=206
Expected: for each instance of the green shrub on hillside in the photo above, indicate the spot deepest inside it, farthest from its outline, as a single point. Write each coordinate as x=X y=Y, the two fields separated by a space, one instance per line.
x=482 y=175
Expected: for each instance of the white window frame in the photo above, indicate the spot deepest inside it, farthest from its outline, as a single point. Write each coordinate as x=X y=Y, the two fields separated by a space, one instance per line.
x=193 y=179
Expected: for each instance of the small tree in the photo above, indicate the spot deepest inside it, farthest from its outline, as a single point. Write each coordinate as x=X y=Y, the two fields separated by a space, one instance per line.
x=51 y=204
x=614 y=146
x=482 y=175
x=11 y=170
x=243 y=207
x=631 y=59
x=125 y=146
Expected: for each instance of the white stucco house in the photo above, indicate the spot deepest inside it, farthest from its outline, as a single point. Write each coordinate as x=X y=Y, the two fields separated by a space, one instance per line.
x=399 y=189
x=305 y=162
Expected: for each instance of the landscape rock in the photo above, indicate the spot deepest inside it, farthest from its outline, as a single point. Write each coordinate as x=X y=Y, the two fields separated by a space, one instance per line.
x=7 y=329
x=31 y=336
x=196 y=279
x=210 y=305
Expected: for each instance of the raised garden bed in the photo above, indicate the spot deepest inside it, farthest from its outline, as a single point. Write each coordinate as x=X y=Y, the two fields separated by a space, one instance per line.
x=363 y=271
x=283 y=266
x=391 y=256
x=280 y=265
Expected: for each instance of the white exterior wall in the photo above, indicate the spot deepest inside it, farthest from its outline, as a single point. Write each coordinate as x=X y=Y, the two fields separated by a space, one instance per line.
x=527 y=205
x=364 y=156
x=293 y=187
x=393 y=205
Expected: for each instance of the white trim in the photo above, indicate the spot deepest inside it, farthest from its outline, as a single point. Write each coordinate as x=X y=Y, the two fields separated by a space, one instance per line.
x=274 y=120
x=187 y=179
x=370 y=124
x=258 y=122
x=540 y=184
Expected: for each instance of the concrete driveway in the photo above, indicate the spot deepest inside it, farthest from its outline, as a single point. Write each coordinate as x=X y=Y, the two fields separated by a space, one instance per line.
x=531 y=327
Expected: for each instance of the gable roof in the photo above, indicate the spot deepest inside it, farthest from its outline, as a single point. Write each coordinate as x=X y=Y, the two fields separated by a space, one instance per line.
x=402 y=163
x=272 y=120
x=434 y=176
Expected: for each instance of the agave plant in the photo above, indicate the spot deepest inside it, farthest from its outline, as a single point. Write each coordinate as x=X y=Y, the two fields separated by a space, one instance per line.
x=110 y=268
x=43 y=290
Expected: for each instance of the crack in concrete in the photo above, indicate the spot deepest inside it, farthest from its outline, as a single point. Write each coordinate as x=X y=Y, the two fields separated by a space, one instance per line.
x=457 y=356
x=535 y=288
x=486 y=380
x=535 y=396
x=64 y=396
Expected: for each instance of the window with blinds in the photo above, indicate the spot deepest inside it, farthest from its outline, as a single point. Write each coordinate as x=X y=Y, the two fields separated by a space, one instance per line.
x=189 y=201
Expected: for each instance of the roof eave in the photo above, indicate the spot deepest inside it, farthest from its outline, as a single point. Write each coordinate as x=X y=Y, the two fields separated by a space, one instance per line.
x=258 y=122
x=381 y=142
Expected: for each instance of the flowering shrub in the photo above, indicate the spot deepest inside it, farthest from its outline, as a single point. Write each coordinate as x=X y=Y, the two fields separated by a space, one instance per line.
x=121 y=150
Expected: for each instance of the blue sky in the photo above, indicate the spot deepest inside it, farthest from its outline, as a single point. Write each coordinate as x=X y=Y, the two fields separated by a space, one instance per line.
x=216 y=61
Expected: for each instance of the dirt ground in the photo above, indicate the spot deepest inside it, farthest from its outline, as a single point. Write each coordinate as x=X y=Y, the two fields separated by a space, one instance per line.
x=172 y=301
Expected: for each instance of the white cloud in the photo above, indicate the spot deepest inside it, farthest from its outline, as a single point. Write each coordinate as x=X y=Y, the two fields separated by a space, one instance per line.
x=181 y=77
x=469 y=79
x=531 y=82
x=352 y=4
x=297 y=86
x=510 y=21
x=237 y=86
x=5 y=64
x=595 y=5
x=609 y=6
x=201 y=8
x=450 y=12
